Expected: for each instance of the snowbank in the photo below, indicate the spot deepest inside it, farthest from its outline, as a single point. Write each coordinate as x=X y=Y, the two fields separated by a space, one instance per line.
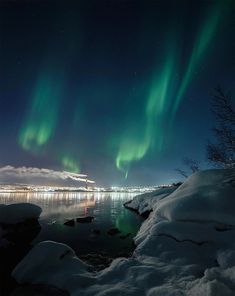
x=207 y=196
x=185 y=248
x=54 y=261
x=146 y=202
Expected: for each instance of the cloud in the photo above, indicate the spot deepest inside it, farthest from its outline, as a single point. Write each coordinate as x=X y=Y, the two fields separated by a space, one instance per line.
x=41 y=176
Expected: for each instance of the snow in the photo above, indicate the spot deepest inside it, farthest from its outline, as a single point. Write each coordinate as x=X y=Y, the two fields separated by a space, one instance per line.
x=147 y=201
x=54 y=261
x=197 y=200
x=185 y=248
x=17 y=213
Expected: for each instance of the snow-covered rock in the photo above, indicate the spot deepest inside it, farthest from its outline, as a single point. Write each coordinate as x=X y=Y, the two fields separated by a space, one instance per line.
x=18 y=222
x=18 y=227
x=202 y=209
x=17 y=213
x=146 y=202
x=206 y=196
x=50 y=262
x=185 y=248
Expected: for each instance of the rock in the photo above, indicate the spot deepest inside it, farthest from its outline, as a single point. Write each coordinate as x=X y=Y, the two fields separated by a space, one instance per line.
x=17 y=213
x=87 y=219
x=113 y=231
x=125 y=235
x=52 y=222
x=70 y=223
x=23 y=232
x=146 y=214
x=18 y=227
x=223 y=227
x=97 y=261
x=44 y=260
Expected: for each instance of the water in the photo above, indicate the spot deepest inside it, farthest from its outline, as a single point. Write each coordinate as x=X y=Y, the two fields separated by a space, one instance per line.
x=107 y=208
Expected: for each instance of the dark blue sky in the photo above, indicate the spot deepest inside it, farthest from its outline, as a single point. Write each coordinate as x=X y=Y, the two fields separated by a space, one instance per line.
x=114 y=89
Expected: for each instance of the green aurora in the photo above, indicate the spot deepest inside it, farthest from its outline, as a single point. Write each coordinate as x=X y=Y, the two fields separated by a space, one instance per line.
x=160 y=105
x=70 y=164
x=202 y=43
x=160 y=100
x=157 y=105
x=41 y=121
x=44 y=107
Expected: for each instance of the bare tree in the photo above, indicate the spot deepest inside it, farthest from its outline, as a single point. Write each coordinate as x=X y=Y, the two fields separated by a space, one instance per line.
x=192 y=167
x=192 y=164
x=182 y=173
x=222 y=152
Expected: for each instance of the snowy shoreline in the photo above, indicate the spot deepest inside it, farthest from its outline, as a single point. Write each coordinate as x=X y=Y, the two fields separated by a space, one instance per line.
x=185 y=247
x=145 y=203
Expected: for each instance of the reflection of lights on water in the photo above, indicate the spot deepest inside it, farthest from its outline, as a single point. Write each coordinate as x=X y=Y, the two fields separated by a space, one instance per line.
x=62 y=196
x=74 y=192
x=59 y=203
x=67 y=205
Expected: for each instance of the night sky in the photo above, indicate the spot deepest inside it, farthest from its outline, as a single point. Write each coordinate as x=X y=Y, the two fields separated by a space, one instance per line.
x=119 y=90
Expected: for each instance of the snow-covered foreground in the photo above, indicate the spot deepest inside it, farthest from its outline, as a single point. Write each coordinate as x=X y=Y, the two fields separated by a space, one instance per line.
x=185 y=247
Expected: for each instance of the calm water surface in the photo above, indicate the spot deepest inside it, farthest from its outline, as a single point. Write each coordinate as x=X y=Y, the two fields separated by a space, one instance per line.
x=107 y=208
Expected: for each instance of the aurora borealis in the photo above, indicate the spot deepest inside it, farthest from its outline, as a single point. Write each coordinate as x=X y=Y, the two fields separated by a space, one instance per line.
x=118 y=90
x=201 y=44
x=157 y=104
x=160 y=101
x=40 y=123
